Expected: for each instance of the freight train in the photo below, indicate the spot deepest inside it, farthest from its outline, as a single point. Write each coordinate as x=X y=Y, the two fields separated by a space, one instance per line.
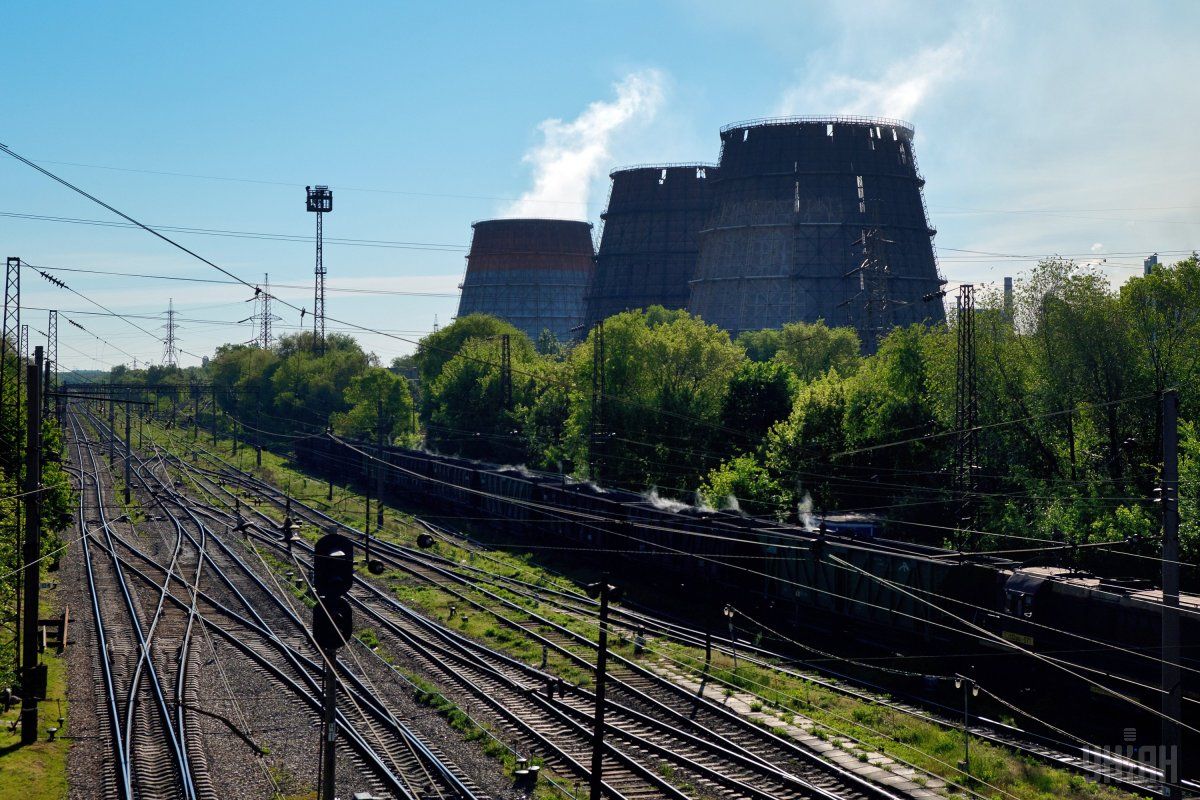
x=838 y=577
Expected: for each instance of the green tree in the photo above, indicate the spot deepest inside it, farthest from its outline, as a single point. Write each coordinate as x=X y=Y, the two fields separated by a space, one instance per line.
x=761 y=345
x=310 y=388
x=666 y=376
x=813 y=348
x=439 y=347
x=467 y=414
x=760 y=394
x=380 y=404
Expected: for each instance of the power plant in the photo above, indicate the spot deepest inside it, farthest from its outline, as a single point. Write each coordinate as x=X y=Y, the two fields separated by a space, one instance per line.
x=534 y=273
x=648 y=247
x=803 y=218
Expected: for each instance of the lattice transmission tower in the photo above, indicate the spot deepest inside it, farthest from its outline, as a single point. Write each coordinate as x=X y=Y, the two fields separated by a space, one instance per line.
x=319 y=201
x=872 y=306
x=265 y=316
x=170 y=348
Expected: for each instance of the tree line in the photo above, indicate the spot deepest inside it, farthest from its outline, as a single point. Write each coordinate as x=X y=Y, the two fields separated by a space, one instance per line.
x=794 y=421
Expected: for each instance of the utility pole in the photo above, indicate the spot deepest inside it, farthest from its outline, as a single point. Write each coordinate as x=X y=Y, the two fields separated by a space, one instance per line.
x=1172 y=690
x=970 y=689
x=46 y=388
x=729 y=613
x=212 y=393
x=258 y=431
x=319 y=201
x=379 y=425
x=33 y=678
x=598 y=391
x=505 y=371
x=112 y=430
x=966 y=412
x=128 y=458
x=604 y=592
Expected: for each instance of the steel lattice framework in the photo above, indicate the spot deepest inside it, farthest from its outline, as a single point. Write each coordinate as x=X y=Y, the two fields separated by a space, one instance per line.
x=790 y=200
x=871 y=308
x=10 y=359
x=52 y=357
x=319 y=200
x=170 y=348
x=966 y=408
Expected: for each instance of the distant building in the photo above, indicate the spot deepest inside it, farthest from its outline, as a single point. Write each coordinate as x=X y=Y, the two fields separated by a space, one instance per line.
x=1149 y=264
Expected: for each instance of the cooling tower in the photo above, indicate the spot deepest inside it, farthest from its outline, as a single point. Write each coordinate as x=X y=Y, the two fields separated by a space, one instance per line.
x=799 y=206
x=648 y=249
x=533 y=273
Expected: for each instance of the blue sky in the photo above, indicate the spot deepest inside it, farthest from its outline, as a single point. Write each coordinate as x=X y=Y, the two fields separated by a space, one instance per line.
x=1065 y=127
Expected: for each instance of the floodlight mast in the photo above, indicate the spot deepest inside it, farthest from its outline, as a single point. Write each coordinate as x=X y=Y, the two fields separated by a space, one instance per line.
x=319 y=201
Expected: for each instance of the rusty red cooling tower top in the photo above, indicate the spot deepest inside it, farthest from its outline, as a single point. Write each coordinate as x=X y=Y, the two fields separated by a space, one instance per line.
x=533 y=273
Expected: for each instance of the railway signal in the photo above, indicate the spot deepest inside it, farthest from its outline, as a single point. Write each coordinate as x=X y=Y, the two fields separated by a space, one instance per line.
x=333 y=624
x=604 y=592
x=970 y=689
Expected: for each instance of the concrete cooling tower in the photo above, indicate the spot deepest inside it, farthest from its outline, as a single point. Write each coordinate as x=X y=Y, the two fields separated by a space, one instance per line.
x=533 y=273
x=648 y=248
x=816 y=218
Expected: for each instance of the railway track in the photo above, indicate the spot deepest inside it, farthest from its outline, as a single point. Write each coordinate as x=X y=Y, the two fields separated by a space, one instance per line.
x=149 y=757
x=251 y=617
x=450 y=574
x=654 y=722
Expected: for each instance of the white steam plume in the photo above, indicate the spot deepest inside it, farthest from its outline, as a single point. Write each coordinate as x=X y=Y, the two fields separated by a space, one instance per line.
x=573 y=154
x=898 y=92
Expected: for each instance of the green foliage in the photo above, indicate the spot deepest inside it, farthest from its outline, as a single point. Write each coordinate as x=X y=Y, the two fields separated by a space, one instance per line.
x=380 y=406
x=1068 y=435
x=666 y=379
x=744 y=484
x=813 y=349
x=465 y=404
x=57 y=505
x=309 y=388
x=760 y=345
x=439 y=347
x=760 y=394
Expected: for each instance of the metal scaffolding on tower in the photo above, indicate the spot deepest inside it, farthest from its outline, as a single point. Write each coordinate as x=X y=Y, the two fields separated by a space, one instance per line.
x=319 y=201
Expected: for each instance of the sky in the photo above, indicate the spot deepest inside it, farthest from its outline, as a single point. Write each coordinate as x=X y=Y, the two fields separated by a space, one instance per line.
x=1042 y=128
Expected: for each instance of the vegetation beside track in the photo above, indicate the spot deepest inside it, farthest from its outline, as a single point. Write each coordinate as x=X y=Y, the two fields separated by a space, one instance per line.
x=38 y=771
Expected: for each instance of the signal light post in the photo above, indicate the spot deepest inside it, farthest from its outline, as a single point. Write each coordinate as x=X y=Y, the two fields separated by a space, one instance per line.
x=604 y=592
x=333 y=575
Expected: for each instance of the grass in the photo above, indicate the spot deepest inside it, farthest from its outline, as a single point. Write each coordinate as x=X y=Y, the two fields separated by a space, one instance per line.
x=933 y=748
x=37 y=771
